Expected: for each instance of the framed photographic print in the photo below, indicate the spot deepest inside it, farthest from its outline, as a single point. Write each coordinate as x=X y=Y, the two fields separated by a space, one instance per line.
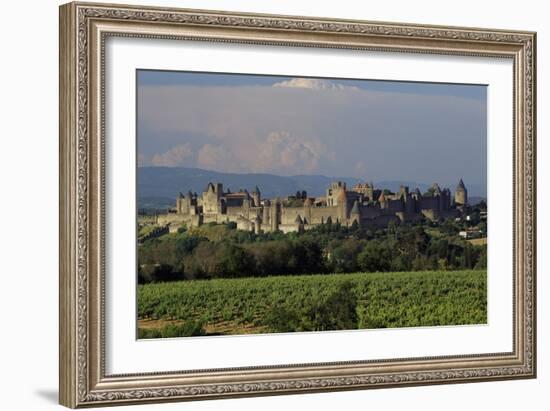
x=259 y=204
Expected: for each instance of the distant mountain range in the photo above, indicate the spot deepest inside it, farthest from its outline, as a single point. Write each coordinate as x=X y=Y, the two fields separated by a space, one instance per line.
x=158 y=186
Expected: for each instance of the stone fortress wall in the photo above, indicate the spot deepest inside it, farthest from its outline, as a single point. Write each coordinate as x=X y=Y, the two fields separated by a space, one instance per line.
x=363 y=205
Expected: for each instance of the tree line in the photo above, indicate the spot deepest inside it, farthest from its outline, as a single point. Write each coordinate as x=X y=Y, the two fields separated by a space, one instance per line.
x=222 y=251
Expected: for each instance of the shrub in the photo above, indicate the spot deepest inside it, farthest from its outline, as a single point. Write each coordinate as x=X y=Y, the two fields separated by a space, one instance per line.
x=187 y=329
x=148 y=333
x=336 y=311
x=283 y=319
x=154 y=273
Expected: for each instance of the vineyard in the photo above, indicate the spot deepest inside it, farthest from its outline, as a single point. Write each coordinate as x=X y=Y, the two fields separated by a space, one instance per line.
x=312 y=303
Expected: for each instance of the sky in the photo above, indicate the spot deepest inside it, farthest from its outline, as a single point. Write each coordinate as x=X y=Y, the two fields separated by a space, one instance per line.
x=371 y=129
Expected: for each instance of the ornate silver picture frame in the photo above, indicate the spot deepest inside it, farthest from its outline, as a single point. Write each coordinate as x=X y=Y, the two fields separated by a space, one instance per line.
x=84 y=30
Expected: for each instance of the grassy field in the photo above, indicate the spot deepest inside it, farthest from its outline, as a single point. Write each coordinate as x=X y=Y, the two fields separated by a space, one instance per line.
x=478 y=241
x=312 y=303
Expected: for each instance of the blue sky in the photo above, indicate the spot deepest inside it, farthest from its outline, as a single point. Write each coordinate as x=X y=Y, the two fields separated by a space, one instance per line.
x=377 y=130
x=162 y=78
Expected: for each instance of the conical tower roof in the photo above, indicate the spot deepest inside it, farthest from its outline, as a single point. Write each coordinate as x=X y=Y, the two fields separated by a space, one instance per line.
x=461 y=185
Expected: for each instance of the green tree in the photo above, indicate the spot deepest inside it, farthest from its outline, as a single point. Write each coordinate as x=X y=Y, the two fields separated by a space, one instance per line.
x=344 y=255
x=307 y=257
x=154 y=273
x=272 y=257
x=483 y=227
x=375 y=257
x=481 y=262
x=234 y=261
x=469 y=256
x=203 y=262
x=450 y=227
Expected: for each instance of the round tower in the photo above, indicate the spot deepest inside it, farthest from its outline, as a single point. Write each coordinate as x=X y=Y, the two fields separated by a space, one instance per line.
x=355 y=214
x=266 y=214
x=256 y=197
x=179 y=203
x=342 y=202
x=382 y=200
x=461 y=194
x=299 y=224
x=275 y=214
x=257 y=225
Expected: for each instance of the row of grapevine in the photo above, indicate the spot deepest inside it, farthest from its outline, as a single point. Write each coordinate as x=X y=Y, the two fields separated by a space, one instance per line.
x=366 y=300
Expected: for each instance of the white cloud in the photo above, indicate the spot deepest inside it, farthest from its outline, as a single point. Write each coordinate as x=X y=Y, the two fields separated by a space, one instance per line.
x=360 y=169
x=288 y=129
x=313 y=84
x=141 y=160
x=281 y=152
x=216 y=157
x=177 y=156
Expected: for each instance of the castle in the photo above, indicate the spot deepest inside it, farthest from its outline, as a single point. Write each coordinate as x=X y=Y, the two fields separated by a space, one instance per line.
x=363 y=205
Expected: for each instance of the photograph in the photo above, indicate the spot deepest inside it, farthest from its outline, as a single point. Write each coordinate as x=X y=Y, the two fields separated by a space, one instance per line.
x=264 y=202
x=278 y=204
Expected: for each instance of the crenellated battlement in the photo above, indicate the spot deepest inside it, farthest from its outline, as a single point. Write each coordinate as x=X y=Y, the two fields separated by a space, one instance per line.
x=365 y=205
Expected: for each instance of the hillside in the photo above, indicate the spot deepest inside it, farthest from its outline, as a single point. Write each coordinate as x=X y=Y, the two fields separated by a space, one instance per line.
x=159 y=186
